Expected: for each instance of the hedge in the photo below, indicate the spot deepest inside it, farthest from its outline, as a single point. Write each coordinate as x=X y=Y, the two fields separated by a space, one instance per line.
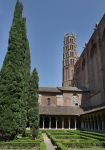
x=84 y=144
x=94 y=133
x=92 y=136
x=14 y=145
x=60 y=146
x=66 y=136
x=83 y=139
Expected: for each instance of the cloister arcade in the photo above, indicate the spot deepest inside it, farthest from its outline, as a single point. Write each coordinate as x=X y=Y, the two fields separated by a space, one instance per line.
x=59 y=122
x=94 y=121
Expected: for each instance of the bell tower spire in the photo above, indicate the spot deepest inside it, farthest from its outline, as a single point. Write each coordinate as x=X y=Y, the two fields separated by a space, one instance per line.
x=69 y=58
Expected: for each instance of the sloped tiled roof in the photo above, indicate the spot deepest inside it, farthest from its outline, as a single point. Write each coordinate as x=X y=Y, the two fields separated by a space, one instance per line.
x=60 y=110
x=49 y=89
x=60 y=89
x=93 y=110
x=69 y=88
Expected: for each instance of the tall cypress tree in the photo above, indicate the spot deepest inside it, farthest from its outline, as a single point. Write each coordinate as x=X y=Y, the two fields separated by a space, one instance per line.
x=14 y=79
x=33 y=106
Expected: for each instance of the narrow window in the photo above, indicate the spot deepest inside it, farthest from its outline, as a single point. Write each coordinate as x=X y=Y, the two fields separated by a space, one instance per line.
x=49 y=101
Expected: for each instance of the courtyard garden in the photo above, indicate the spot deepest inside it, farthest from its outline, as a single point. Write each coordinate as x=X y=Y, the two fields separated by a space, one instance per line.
x=61 y=139
x=76 y=140
x=24 y=142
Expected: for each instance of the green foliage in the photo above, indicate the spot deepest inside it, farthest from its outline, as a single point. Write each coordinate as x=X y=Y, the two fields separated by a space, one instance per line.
x=14 y=79
x=24 y=143
x=60 y=146
x=33 y=106
x=17 y=145
x=76 y=139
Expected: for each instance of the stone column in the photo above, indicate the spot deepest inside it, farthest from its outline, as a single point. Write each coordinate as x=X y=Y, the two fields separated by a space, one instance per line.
x=90 y=124
x=98 y=124
x=87 y=125
x=94 y=125
x=56 y=123
x=43 y=122
x=69 y=123
x=75 y=124
x=102 y=124
x=50 y=123
x=82 y=124
x=62 y=123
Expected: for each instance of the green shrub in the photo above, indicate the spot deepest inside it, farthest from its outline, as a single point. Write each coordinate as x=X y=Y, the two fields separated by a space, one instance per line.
x=84 y=144
x=94 y=133
x=60 y=146
x=26 y=133
x=76 y=139
x=66 y=136
x=14 y=145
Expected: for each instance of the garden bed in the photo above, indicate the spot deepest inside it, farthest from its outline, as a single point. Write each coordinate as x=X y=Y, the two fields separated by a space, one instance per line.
x=80 y=140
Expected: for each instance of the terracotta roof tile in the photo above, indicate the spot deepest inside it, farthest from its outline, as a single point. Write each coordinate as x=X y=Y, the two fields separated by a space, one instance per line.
x=60 y=89
x=49 y=89
x=60 y=110
x=93 y=110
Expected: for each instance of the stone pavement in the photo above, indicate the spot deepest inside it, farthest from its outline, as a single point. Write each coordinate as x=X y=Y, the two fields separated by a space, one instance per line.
x=49 y=145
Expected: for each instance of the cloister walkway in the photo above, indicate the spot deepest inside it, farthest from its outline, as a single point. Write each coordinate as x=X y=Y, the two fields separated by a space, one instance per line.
x=49 y=145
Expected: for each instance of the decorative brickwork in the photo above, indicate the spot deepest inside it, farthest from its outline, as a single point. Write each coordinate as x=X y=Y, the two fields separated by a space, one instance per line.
x=69 y=59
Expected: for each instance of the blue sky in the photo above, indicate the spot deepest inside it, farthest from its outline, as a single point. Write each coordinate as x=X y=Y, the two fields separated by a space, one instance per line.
x=47 y=22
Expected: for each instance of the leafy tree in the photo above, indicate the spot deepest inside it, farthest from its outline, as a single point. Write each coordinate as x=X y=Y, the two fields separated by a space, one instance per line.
x=14 y=79
x=33 y=111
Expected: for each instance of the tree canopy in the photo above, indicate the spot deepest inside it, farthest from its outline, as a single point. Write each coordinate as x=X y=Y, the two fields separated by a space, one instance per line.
x=14 y=79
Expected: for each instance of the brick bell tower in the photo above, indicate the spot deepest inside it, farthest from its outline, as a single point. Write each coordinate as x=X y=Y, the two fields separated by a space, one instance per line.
x=69 y=58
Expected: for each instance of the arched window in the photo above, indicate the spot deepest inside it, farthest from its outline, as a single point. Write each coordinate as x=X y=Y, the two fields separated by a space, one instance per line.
x=75 y=100
x=48 y=101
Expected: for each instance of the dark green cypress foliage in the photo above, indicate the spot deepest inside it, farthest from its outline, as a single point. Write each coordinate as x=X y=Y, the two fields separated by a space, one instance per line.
x=33 y=105
x=26 y=66
x=14 y=79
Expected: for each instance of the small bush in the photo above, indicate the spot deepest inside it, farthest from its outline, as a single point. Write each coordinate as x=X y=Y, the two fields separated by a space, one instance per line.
x=60 y=146
x=14 y=145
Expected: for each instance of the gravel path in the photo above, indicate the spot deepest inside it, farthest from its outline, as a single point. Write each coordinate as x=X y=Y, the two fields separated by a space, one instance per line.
x=49 y=145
